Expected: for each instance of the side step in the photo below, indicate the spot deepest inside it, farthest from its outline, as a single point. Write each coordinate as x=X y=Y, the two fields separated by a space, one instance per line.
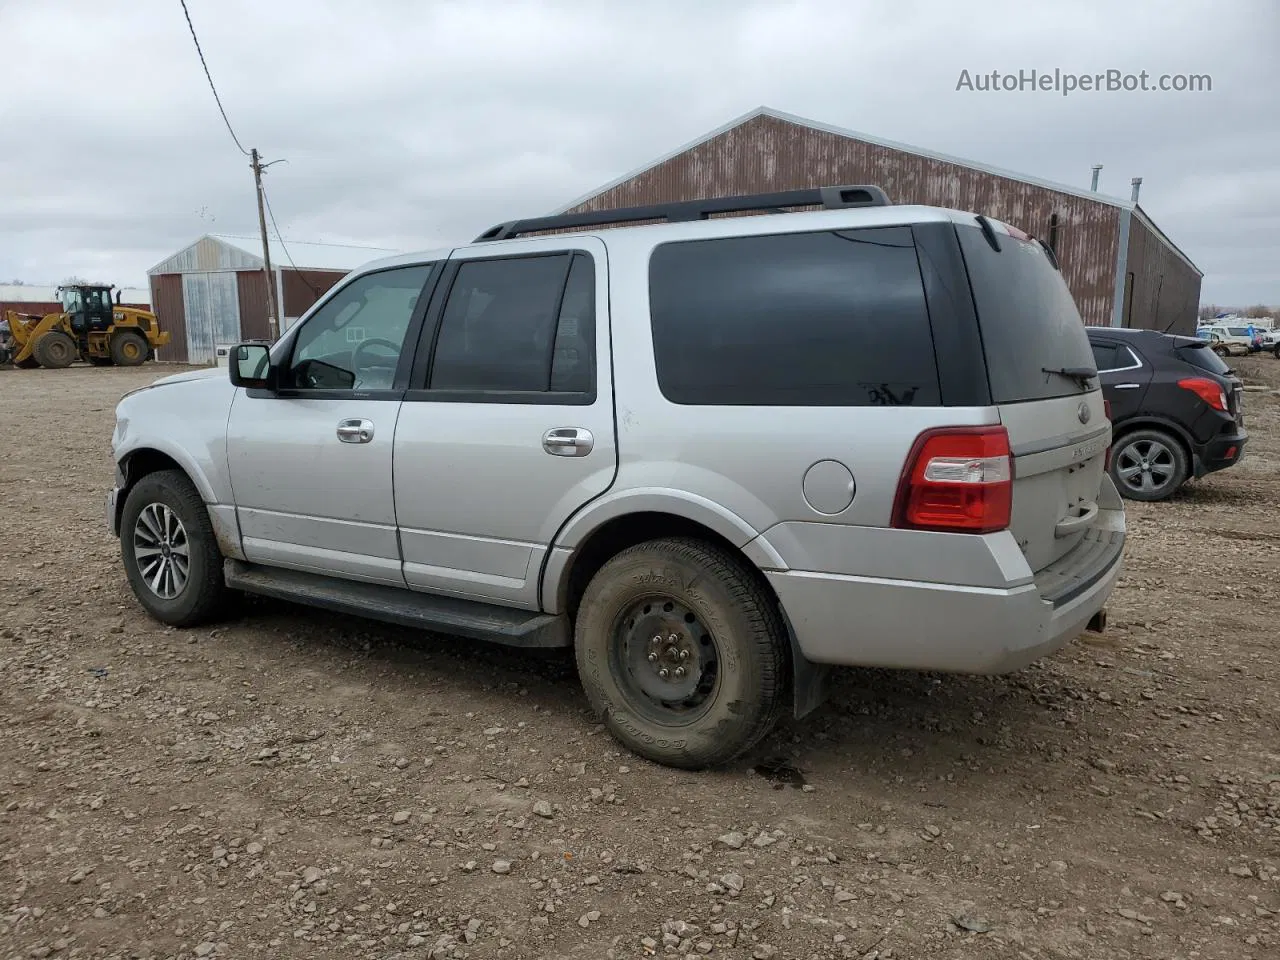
x=408 y=608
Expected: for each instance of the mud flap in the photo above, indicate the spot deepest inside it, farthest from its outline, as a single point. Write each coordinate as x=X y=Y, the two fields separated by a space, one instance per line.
x=810 y=682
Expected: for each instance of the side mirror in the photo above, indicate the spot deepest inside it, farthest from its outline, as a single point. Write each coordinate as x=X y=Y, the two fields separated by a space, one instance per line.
x=250 y=366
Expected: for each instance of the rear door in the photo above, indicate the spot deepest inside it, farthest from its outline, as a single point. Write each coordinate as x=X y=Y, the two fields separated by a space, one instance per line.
x=1124 y=374
x=510 y=427
x=1044 y=383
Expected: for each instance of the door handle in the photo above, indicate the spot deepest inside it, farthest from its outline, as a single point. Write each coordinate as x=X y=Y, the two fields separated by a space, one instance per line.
x=1069 y=525
x=568 y=442
x=1128 y=386
x=355 y=431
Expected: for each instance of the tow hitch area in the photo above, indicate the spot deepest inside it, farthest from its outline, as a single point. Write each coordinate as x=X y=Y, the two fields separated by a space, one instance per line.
x=1098 y=622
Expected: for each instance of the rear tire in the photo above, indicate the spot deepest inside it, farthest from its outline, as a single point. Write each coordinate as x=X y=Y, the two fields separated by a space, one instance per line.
x=170 y=554
x=55 y=350
x=128 y=349
x=700 y=613
x=1148 y=464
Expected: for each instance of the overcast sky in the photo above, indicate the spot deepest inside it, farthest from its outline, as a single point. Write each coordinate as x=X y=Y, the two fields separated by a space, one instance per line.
x=411 y=124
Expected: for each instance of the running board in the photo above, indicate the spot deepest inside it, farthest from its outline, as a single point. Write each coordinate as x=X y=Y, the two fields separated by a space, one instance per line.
x=407 y=608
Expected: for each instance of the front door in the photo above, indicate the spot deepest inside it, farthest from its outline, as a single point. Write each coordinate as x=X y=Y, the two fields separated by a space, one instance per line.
x=311 y=464
x=510 y=428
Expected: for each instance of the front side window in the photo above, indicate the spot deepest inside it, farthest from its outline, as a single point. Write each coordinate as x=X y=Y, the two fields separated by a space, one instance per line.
x=518 y=325
x=833 y=318
x=354 y=341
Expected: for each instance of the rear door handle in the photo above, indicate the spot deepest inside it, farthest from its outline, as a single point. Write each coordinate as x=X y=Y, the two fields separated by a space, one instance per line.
x=355 y=431
x=1128 y=386
x=568 y=442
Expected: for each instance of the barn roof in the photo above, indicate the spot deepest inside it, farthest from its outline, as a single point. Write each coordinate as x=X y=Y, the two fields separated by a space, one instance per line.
x=779 y=115
x=227 y=251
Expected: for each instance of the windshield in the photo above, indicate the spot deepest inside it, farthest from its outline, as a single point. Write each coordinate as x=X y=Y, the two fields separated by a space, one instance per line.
x=70 y=301
x=1029 y=321
x=1238 y=331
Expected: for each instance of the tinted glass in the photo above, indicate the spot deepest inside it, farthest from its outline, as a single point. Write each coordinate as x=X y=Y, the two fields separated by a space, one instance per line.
x=354 y=341
x=507 y=320
x=1204 y=358
x=1028 y=318
x=1104 y=356
x=809 y=319
x=573 y=362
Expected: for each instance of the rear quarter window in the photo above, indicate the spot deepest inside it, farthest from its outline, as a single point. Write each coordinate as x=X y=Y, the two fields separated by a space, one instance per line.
x=1028 y=318
x=1204 y=358
x=831 y=318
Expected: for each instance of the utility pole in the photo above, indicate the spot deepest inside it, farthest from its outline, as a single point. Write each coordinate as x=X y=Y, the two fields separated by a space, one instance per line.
x=266 y=249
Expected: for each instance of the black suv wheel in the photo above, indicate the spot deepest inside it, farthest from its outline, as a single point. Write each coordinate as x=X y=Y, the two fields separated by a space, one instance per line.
x=1148 y=465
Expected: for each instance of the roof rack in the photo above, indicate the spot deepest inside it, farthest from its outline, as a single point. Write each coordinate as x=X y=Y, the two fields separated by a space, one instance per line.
x=830 y=198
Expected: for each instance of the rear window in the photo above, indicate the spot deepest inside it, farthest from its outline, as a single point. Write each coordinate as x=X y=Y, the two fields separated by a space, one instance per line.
x=1028 y=319
x=1200 y=355
x=835 y=318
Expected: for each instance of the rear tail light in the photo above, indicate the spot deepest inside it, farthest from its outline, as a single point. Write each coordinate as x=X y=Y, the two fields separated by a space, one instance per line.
x=1207 y=390
x=957 y=479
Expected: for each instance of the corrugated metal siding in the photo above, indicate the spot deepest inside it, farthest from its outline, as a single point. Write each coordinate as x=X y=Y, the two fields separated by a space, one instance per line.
x=253 y=305
x=766 y=154
x=166 y=295
x=205 y=255
x=212 y=305
x=302 y=288
x=1165 y=291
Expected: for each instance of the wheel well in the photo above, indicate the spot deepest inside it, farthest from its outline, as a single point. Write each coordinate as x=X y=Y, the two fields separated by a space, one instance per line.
x=1131 y=426
x=622 y=532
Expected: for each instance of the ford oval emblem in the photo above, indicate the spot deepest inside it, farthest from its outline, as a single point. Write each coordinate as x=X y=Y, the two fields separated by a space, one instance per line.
x=1083 y=412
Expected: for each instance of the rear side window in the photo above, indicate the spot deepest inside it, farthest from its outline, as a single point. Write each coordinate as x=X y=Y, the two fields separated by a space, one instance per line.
x=1203 y=357
x=1028 y=319
x=804 y=319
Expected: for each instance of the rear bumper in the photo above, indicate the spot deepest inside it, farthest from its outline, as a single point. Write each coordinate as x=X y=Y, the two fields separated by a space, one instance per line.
x=870 y=621
x=1219 y=453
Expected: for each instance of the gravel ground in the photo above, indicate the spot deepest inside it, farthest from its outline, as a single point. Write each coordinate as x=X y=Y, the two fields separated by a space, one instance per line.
x=295 y=784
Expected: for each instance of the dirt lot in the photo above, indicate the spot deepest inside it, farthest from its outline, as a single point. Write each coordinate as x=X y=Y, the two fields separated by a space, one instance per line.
x=293 y=784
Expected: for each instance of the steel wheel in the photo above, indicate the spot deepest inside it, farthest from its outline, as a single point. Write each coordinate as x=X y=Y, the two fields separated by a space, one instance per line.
x=666 y=659
x=1146 y=465
x=162 y=551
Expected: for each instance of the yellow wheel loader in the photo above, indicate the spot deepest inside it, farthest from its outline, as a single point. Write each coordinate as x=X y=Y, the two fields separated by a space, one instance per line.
x=90 y=327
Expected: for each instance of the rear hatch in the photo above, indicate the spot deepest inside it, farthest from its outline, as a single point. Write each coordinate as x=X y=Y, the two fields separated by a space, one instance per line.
x=1198 y=354
x=1044 y=383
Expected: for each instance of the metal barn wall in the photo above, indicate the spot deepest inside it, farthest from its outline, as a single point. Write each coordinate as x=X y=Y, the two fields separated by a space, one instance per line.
x=252 y=290
x=1161 y=291
x=767 y=153
x=167 y=301
x=212 y=306
x=302 y=288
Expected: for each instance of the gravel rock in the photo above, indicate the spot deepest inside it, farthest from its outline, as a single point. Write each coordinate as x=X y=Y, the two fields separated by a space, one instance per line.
x=733 y=841
x=501 y=866
x=543 y=809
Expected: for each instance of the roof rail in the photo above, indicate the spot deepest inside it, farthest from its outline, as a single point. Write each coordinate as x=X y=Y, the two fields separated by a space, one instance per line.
x=830 y=198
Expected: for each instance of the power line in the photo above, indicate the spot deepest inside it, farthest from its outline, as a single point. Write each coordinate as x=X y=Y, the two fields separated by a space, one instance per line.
x=287 y=254
x=216 y=98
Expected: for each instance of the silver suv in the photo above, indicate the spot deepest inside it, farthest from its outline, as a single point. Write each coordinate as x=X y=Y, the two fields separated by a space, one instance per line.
x=715 y=455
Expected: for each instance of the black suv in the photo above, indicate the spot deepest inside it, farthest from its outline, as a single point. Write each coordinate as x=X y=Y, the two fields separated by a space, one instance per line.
x=1175 y=407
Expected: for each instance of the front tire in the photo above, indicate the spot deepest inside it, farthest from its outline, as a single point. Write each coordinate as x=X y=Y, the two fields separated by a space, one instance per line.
x=1148 y=465
x=55 y=350
x=682 y=652
x=170 y=554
